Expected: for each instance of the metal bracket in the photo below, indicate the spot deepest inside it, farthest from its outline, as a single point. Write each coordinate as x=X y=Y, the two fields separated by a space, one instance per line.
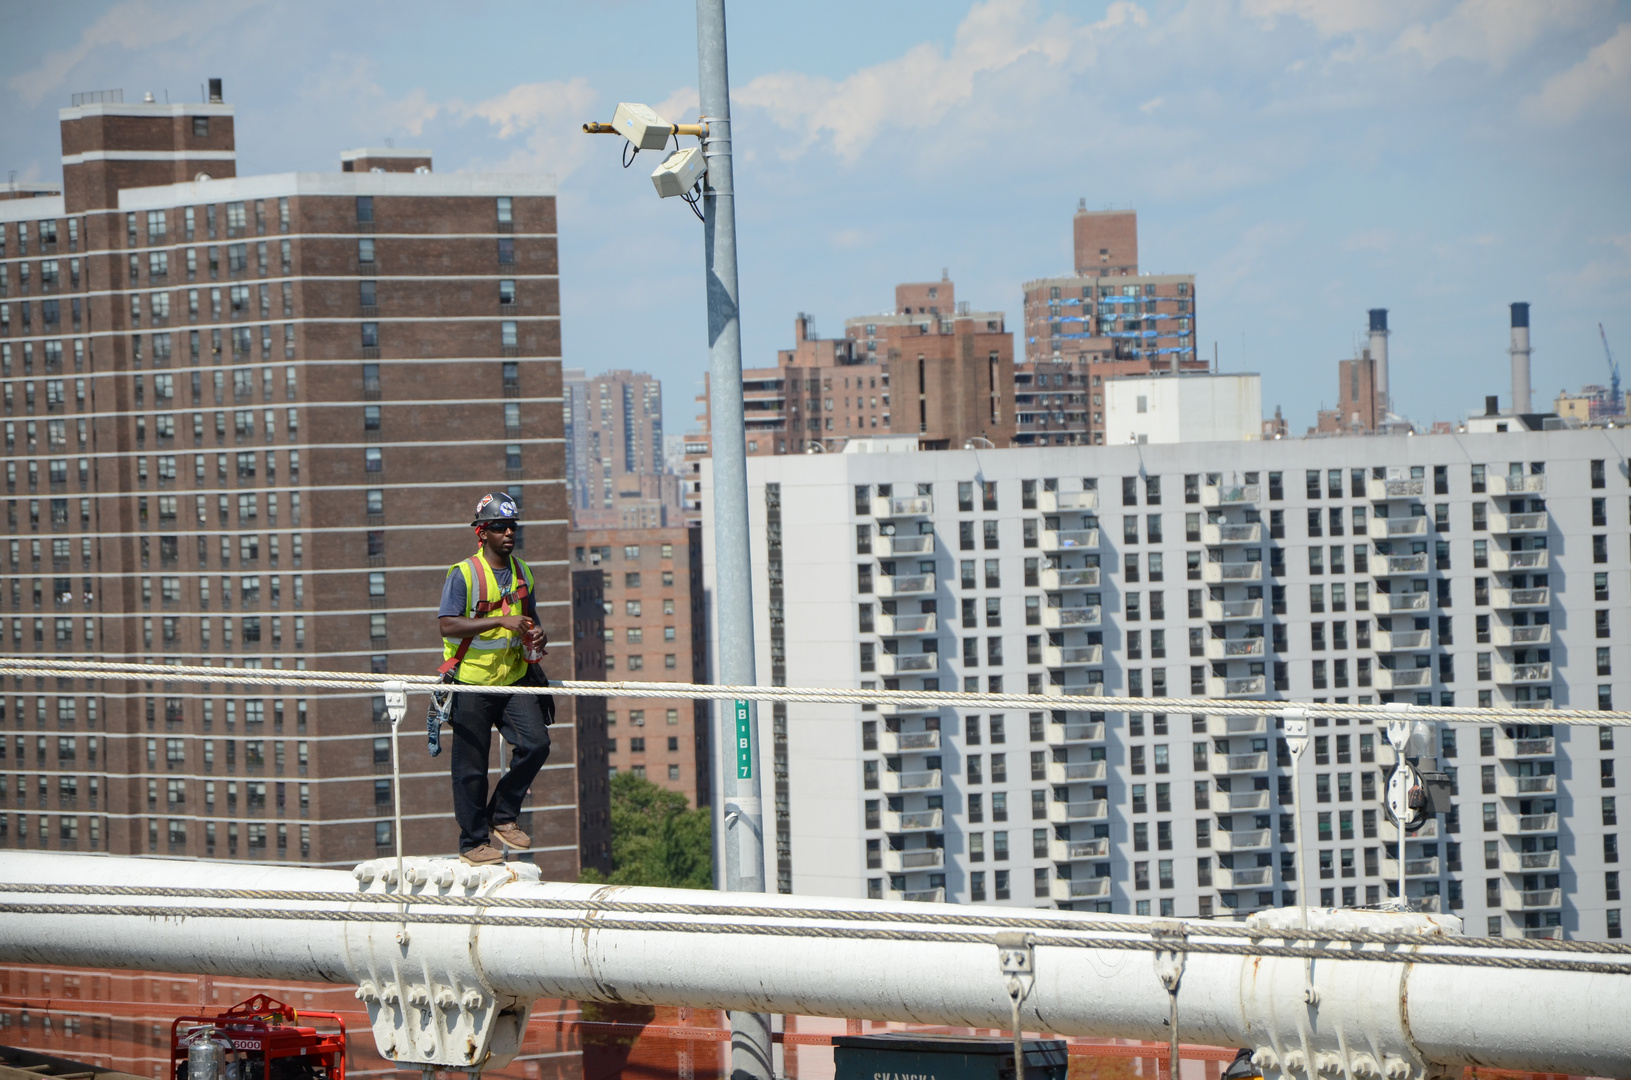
x=1170 y=938
x=1016 y=955
x=422 y=1012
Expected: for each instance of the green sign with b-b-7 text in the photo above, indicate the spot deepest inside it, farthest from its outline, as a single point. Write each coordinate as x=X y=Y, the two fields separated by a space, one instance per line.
x=744 y=742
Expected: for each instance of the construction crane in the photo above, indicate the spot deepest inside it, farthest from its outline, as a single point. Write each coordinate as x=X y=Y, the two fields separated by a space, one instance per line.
x=1615 y=405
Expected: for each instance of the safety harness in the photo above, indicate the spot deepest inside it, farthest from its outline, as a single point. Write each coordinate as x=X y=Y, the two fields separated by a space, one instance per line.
x=483 y=605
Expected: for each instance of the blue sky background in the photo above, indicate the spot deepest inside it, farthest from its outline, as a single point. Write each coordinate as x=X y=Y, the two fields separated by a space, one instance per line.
x=1306 y=159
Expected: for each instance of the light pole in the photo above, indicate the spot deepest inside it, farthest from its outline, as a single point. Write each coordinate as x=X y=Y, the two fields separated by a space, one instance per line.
x=743 y=863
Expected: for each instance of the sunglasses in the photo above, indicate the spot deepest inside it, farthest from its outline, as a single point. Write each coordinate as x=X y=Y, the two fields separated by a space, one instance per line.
x=501 y=526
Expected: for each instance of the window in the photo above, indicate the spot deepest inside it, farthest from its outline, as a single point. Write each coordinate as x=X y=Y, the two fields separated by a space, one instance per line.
x=365 y=250
x=505 y=210
x=365 y=209
x=506 y=251
x=506 y=291
x=367 y=293
x=370 y=335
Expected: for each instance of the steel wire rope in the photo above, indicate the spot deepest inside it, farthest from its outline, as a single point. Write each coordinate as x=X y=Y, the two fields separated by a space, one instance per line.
x=1134 y=943
x=1037 y=920
x=925 y=699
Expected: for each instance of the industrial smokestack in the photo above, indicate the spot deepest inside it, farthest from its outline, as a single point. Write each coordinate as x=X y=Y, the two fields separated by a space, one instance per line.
x=1378 y=352
x=1520 y=358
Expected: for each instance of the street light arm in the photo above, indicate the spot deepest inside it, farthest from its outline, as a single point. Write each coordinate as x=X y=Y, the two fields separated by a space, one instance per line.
x=697 y=130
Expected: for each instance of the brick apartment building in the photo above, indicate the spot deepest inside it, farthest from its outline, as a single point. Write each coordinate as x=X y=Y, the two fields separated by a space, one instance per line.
x=247 y=419
x=654 y=631
x=1107 y=319
x=931 y=368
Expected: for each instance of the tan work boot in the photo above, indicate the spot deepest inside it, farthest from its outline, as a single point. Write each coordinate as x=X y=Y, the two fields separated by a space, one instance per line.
x=482 y=855
x=511 y=836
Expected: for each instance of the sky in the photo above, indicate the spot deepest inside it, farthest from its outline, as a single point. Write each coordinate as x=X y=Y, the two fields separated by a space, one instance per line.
x=1305 y=159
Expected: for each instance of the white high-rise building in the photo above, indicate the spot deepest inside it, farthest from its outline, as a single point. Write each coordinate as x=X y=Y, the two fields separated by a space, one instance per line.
x=1484 y=570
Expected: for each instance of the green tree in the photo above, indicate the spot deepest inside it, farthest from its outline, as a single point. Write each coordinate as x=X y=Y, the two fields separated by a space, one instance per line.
x=656 y=839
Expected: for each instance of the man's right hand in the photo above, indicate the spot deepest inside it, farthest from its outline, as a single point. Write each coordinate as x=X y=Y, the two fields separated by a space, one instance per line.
x=515 y=624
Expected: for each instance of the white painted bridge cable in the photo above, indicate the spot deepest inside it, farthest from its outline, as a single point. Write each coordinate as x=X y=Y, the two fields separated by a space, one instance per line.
x=1033 y=920
x=1434 y=954
x=924 y=699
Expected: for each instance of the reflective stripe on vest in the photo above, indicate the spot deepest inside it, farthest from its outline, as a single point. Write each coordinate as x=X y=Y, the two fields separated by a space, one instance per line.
x=493 y=657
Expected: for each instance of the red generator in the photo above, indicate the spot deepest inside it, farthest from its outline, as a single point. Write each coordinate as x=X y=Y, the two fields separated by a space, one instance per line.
x=258 y=1039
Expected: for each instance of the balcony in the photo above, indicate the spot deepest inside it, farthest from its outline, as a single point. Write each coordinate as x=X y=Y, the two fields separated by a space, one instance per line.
x=891 y=708
x=1525 y=787
x=1413 y=868
x=1056 y=690
x=1240 y=763
x=1087 y=889
x=1528 y=824
x=1502 y=486
x=1070 y=539
x=1398 y=603
x=1551 y=933
x=917 y=896
x=1066 y=618
x=897 y=821
x=1059 y=580
x=889 y=506
x=1239 y=802
x=1067 y=502
x=1074 y=850
x=1390 y=830
x=918 y=859
x=906 y=585
x=1521 y=674
x=1402 y=678
x=1397 y=528
x=1058 y=656
x=1530 y=862
x=1231 y=573
x=1509 y=636
x=1253 y=877
x=1386 y=641
x=1524 y=749
x=1075 y=772
x=1224 y=726
x=1232 y=610
x=1506 y=562
x=888 y=547
x=1218 y=535
x=1230 y=495
x=1064 y=813
x=1246 y=686
x=908 y=742
x=1243 y=840
x=916 y=663
x=905 y=625
x=898 y=783
x=1517 y=524
x=1068 y=734
x=1234 y=648
x=1384 y=490
x=1532 y=900
x=1509 y=599
x=1543 y=703
x=1396 y=565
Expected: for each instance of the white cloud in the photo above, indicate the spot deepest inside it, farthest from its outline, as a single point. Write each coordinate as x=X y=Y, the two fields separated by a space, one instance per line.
x=1603 y=78
x=1331 y=18
x=924 y=85
x=543 y=124
x=134 y=27
x=1490 y=32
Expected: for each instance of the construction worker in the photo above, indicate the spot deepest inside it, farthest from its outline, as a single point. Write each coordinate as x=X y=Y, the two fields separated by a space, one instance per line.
x=490 y=630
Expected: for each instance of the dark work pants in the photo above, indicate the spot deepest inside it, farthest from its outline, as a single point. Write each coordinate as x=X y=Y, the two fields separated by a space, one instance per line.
x=523 y=720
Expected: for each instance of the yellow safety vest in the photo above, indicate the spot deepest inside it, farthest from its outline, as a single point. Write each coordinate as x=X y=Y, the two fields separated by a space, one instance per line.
x=493 y=657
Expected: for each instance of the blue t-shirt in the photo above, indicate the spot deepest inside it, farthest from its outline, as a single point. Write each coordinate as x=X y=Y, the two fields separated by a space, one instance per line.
x=454 y=595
